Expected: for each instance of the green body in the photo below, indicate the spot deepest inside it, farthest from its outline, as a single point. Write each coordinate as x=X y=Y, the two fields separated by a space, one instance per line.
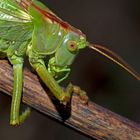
x=26 y=31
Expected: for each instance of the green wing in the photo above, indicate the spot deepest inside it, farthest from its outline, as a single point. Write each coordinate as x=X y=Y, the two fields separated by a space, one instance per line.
x=15 y=31
x=11 y=11
x=15 y=23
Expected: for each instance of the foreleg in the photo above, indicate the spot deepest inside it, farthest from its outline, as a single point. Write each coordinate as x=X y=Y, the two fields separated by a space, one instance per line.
x=50 y=82
x=61 y=74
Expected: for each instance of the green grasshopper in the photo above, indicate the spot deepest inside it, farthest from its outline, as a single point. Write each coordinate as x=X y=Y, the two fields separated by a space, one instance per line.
x=28 y=27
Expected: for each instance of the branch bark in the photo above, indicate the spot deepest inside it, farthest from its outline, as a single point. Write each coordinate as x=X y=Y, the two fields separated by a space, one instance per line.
x=92 y=119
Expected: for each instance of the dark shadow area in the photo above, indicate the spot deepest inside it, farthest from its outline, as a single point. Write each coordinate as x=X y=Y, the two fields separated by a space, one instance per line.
x=64 y=110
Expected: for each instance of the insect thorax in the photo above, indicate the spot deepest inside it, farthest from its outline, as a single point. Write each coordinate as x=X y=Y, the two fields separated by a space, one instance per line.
x=47 y=38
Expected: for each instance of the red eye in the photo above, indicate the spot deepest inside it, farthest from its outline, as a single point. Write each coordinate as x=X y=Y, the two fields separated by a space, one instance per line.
x=72 y=46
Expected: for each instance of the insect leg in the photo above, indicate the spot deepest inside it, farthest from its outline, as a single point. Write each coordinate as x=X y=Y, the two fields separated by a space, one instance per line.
x=61 y=73
x=82 y=94
x=77 y=90
x=50 y=82
x=15 y=118
x=58 y=72
x=64 y=77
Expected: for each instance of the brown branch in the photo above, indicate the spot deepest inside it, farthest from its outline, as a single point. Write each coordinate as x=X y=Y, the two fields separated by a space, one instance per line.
x=92 y=120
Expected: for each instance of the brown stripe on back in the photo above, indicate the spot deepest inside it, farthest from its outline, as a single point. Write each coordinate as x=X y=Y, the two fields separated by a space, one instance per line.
x=26 y=3
x=53 y=18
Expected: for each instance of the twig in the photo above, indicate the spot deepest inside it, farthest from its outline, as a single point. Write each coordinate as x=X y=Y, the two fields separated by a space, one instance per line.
x=92 y=119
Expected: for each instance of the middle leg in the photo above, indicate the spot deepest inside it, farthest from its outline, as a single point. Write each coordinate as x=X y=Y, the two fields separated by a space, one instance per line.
x=15 y=117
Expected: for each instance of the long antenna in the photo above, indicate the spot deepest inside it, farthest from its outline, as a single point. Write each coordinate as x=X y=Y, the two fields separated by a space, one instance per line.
x=115 y=58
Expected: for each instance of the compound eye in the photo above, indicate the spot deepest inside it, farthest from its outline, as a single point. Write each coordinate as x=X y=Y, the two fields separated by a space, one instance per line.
x=72 y=46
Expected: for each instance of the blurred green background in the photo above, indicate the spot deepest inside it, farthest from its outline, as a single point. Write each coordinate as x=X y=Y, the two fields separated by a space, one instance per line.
x=113 y=23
